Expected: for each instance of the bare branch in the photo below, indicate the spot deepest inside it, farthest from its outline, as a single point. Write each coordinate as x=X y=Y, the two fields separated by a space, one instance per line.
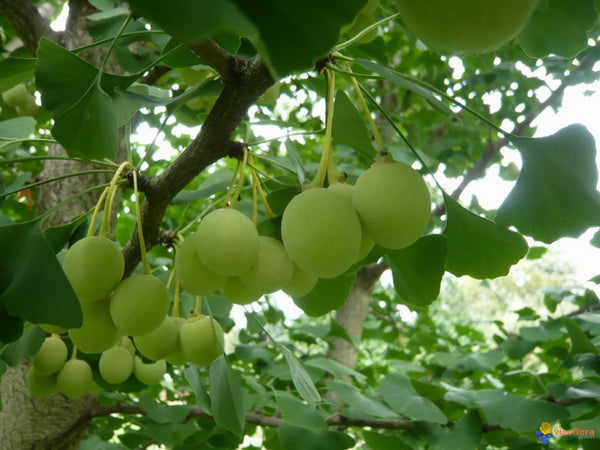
x=27 y=22
x=216 y=57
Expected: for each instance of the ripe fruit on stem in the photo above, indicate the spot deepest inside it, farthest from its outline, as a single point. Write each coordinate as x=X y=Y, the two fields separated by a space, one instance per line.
x=75 y=378
x=301 y=283
x=149 y=373
x=227 y=242
x=393 y=203
x=466 y=26
x=159 y=342
x=321 y=232
x=40 y=385
x=192 y=273
x=198 y=336
x=94 y=266
x=116 y=364
x=139 y=304
x=272 y=270
x=97 y=332
x=51 y=356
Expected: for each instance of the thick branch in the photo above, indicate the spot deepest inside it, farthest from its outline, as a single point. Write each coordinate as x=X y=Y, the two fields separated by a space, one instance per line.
x=249 y=79
x=216 y=57
x=27 y=22
x=352 y=315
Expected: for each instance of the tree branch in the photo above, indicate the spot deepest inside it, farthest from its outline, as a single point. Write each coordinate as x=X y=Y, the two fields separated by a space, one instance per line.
x=216 y=57
x=27 y=22
x=245 y=81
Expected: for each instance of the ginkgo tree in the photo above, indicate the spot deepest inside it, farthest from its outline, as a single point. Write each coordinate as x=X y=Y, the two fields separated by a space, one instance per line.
x=168 y=167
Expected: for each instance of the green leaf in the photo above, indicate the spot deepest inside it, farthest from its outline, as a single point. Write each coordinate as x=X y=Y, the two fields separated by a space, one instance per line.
x=555 y=195
x=465 y=434
x=11 y=327
x=190 y=21
x=379 y=441
x=518 y=413
x=163 y=413
x=300 y=414
x=63 y=78
x=27 y=345
x=559 y=28
x=216 y=182
x=583 y=389
x=356 y=399
x=334 y=368
x=16 y=128
x=89 y=128
x=418 y=270
x=397 y=391
x=32 y=283
x=295 y=438
x=328 y=294
x=349 y=127
x=300 y=377
x=294 y=35
x=407 y=83
x=227 y=397
x=477 y=246
x=508 y=410
x=58 y=236
x=14 y=71
x=580 y=343
x=198 y=385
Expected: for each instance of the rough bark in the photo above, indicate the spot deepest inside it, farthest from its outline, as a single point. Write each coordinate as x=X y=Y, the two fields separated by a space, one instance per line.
x=352 y=315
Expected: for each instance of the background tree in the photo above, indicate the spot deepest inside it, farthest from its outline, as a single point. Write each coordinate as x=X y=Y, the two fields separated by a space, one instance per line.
x=251 y=84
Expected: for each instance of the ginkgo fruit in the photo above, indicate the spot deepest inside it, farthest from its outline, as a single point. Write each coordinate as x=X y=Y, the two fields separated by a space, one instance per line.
x=116 y=364
x=150 y=373
x=466 y=26
x=393 y=203
x=321 y=232
x=227 y=242
x=51 y=356
x=272 y=270
x=192 y=273
x=366 y=242
x=238 y=293
x=176 y=357
x=201 y=340
x=94 y=266
x=98 y=331
x=139 y=304
x=159 y=342
x=40 y=385
x=301 y=283
x=16 y=96
x=75 y=378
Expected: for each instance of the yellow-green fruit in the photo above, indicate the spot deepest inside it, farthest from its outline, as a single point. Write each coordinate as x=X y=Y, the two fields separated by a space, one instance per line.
x=193 y=275
x=466 y=26
x=16 y=96
x=51 y=356
x=139 y=304
x=238 y=293
x=366 y=242
x=94 y=266
x=227 y=242
x=159 y=342
x=199 y=340
x=272 y=270
x=321 y=232
x=190 y=76
x=149 y=373
x=393 y=203
x=29 y=108
x=176 y=356
x=116 y=364
x=97 y=332
x=301 y=283
x=40 y=385
x=50 y=328
x=75 y=378
x=126 y=342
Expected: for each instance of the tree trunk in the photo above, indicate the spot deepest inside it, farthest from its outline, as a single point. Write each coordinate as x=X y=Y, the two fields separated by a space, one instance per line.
x=54 y=422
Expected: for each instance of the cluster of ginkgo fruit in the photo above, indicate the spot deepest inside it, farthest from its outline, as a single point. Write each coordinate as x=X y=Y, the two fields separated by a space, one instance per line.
x=324 y=231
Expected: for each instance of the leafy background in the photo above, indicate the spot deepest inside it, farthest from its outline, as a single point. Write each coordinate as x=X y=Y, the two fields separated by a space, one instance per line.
x=450 y=361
